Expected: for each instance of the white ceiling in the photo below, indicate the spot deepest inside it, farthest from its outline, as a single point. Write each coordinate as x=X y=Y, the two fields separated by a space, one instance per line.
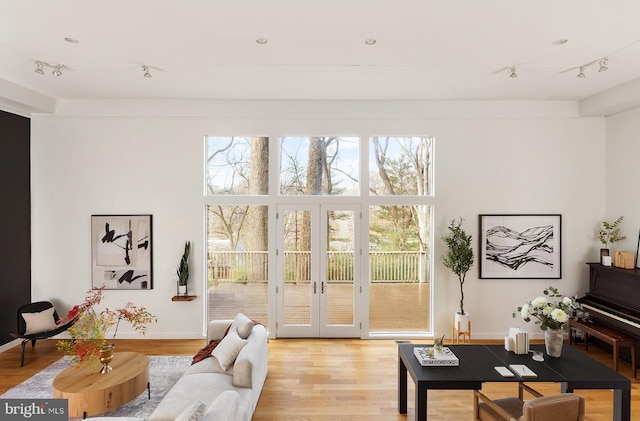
x=426 y=49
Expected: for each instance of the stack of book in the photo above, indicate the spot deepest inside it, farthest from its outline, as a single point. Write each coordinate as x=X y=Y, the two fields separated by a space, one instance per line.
x=520 y=338
x=430 y=357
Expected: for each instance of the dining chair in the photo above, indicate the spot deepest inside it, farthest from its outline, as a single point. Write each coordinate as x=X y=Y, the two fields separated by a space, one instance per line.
x=556 y=407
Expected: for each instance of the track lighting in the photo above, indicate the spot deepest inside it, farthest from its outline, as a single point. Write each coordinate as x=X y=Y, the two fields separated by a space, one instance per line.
x=145 y=71
x=603 y=65
x=512 y=71
x=39 y=67
x=581 y=75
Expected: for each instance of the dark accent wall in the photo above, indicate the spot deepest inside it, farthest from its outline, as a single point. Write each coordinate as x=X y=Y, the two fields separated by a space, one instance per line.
x=15 y=220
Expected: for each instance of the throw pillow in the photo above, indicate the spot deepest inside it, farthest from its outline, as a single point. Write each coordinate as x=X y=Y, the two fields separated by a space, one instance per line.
x=223 y=408
x=228 y=349
x=243 y=325
x=39 y=322
x=193 y=412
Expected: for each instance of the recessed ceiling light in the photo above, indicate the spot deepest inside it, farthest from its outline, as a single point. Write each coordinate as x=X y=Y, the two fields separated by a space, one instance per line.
x=370 y=41
x=560 y=41
x=71 y=40
x=262 y=41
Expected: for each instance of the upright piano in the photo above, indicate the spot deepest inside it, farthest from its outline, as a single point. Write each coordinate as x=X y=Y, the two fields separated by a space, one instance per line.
x=613 y=298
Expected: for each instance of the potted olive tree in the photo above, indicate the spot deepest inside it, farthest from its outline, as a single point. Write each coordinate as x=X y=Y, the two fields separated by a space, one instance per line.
x=609 y=233
x=183 y=270
x=459 y=259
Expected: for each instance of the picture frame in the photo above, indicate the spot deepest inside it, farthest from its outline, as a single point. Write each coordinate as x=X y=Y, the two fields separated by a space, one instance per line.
x=520 y=246
x=122 y=252
x=638 y=254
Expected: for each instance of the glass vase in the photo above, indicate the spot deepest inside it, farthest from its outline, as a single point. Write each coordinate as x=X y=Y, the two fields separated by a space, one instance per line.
x=553 y=340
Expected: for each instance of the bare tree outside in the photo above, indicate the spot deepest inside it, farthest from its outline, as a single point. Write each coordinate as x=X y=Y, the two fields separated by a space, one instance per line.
x=237 y=234
x=315 y=170
x=403 y=167
x=237 y=165
x=258 y=186
x=399 y=235
x=319 y=166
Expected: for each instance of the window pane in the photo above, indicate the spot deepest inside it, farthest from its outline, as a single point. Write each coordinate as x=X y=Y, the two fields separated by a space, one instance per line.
x=319 y=166
x=340 y=271
x=400 y=166
x=297 y=294
x=237 y=165
x=400 y=284
x=237 y=262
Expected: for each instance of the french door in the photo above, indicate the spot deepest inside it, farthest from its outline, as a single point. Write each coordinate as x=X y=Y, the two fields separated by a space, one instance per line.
x=318 y=269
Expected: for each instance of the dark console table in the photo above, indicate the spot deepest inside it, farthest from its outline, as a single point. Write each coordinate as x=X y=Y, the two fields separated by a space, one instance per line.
x=574 y=370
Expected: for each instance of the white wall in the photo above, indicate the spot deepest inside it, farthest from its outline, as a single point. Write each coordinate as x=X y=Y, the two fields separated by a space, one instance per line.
x=622 y=175
x=112 y=157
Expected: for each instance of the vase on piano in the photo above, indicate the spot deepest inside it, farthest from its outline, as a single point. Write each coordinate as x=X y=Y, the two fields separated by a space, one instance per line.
x=553 y=340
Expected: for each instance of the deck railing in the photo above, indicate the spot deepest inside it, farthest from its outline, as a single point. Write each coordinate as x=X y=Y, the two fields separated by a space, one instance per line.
x=385 y=266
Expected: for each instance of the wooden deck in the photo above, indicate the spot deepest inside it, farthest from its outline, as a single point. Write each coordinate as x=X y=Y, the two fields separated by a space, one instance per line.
x=394 y=307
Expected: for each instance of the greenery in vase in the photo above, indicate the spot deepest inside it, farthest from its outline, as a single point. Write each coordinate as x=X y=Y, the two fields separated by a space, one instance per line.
x=183 y=268
x=609 y=233
x=459 y=255
x=90 y=328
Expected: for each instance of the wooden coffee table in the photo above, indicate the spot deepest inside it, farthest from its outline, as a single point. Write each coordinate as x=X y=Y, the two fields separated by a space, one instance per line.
x=90 y=392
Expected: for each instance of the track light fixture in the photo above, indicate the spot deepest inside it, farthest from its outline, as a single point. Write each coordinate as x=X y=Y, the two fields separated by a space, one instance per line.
x=512 y=71
x=581 y=74
x=603 y=64
x=145 y=71
x=39 y=67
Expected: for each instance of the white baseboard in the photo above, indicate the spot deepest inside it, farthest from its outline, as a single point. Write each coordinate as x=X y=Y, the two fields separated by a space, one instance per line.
x=10 y=345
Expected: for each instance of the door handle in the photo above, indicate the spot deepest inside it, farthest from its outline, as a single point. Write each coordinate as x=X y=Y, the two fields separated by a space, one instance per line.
x=314 y=287
x=322 y=287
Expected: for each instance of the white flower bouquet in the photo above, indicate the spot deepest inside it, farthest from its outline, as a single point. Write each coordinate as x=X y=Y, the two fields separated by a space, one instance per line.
x=551 y=310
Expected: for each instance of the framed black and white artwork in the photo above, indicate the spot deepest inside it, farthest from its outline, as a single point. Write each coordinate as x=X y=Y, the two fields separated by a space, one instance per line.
x=121 y=251
x=520 y=246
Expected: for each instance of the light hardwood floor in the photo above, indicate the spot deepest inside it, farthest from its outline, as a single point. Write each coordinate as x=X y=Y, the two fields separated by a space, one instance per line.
x=329 y=379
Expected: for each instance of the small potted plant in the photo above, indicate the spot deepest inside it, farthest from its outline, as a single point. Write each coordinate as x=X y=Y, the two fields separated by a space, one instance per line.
x=609 y=233
x=459 y=258
x=183 y=270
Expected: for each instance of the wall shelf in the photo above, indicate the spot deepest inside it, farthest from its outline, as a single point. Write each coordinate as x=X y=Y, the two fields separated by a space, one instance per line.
x=183 y=297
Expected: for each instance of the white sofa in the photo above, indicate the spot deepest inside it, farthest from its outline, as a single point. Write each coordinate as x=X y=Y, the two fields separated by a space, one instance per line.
x=206 y=381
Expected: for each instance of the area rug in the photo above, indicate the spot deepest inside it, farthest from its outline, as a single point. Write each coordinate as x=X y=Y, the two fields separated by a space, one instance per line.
x=164 y=372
